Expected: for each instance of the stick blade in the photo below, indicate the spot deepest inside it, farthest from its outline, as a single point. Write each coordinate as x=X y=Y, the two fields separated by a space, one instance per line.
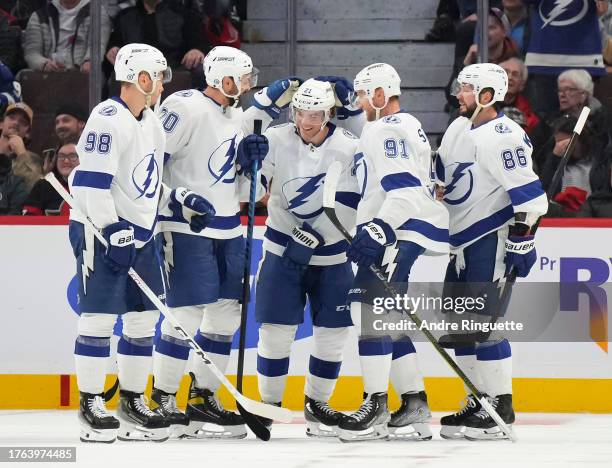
x=254 y=424
x=497 y=418
x=331 y=183
x=267 y=411
x=582 y=119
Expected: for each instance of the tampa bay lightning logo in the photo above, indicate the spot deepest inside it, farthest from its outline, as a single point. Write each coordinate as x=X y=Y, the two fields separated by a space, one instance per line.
x=392 y=119
x=145 y=176
x=502 y=128
x=108 y=111
x=304 y=199
x=461 y=184
x=562 y=12
x=221 y=162
x=360 y=170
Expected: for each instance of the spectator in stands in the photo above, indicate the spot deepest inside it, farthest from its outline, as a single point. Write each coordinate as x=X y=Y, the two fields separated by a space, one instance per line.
x=173 y=26
x=44 y=199
x=13 y=190
x=517 y=14
x=10 y=90
x=599 y=203
x=515 y=114
x=517 y=77
x=562 y=36
x=575 y=90
x=23 y=9
x=57 y=36
x=70 y=120
x=16 y=128
x=579 y=179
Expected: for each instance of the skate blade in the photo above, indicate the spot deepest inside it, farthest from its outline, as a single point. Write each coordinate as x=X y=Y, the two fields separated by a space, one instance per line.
x=103 y=436
x=317 y=429
x=177 y=431
x=205 y=430
x=493 y=433
x=130 y=432
x=414 y=431
x=373 y=433
x=452 y=432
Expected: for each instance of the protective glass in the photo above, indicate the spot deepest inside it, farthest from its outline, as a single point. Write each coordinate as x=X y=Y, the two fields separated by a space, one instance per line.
x=355 y=98
x=167 y=75
x=458 y=88
x=304 y=117
x=249 y=80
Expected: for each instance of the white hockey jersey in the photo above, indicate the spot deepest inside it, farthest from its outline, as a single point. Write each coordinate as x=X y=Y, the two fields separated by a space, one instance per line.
x=297 y=171
x=121 y=166
x=394 y=167
x=201 y=144
x=488 y=176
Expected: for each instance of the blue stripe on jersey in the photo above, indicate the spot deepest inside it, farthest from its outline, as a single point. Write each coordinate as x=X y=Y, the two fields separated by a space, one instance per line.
x=428 y=230
x=493 y=352
x=282 y=239
x=482 y=227
x=167 y=156
x=398 y=181
x=92 y=179
x=140 y=233
x=525 y=193
x=350 y=199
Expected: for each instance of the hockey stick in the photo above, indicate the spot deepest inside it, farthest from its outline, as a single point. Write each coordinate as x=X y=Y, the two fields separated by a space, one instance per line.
x=329 y=206
x=260 y=430
x=252 y=406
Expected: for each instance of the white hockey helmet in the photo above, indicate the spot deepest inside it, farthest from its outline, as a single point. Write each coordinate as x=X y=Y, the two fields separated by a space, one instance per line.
x=481 y=76
x=224 y=61
x=132 y=59
x=372 y=77
x=316 y=98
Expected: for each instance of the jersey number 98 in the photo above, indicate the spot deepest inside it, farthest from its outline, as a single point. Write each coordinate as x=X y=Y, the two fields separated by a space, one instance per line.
x=512 y=158
x=100 y=143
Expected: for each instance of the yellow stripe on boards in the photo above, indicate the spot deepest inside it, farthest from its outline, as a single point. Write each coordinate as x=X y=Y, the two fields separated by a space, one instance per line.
x=26 y=391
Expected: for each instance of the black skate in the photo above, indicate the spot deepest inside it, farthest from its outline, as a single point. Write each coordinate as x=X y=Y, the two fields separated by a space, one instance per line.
x=411 y=420
x=208 y=419
x=481 y=426
x=321 y=419
x=164 y=404
x=97 y=424
x=453 y=425
x=369 y=422
x=138 y=422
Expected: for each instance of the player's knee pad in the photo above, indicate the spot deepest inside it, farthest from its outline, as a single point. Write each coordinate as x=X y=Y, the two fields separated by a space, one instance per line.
x=275 y=340
x=188 y=316
x=98 y=325
x=221 y=317
x=140 y=324
x=329 y=342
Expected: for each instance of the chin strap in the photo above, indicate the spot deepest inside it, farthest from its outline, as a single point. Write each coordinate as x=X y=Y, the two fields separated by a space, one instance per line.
x=148 y=96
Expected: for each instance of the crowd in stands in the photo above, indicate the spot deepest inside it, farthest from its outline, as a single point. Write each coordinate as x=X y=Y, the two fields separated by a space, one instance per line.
x=558 y=58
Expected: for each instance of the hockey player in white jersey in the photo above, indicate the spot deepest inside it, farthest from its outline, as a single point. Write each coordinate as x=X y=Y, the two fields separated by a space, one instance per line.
x=493 y=198
x=304 y=255
x=210 y=148
x=118 y=186
x=398 y=220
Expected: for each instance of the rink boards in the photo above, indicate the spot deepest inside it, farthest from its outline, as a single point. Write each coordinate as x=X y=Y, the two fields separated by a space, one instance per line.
x=36 y=365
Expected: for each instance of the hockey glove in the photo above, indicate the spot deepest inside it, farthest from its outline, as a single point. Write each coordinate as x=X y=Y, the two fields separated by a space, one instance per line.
x=342 y=91
x=120 y=253
x=252 y=148
x=301 y=246
x=368 y=243
x=277 y=95
x=521 y=254
x=192 y=208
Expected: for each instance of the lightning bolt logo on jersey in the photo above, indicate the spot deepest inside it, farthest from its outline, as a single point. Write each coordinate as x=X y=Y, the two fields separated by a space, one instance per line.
x=221 y=162
x=461 y=185
x=360 y=170
x=145 y=176
x=304 y=199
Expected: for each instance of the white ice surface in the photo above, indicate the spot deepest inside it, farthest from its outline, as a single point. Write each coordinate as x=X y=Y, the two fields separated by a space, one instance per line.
x=546 y=440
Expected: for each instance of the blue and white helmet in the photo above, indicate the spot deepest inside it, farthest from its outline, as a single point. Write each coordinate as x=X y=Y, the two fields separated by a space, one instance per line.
x=484 y=75
x=132 y=59
x=224 y=61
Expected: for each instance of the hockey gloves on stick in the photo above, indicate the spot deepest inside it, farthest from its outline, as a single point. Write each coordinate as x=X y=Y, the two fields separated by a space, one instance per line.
x=120 y=253
x=342 y=90
x=521 y=254
x=192 y=208
x=277 y=95
x=301 y=246
x=368 y=243
x=251 y=148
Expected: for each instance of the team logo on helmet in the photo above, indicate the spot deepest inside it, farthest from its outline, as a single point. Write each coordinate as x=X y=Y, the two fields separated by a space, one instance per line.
x=221 y=162
x=461 y=184
x=303 y=197
x=145 y=176
x=108 y=111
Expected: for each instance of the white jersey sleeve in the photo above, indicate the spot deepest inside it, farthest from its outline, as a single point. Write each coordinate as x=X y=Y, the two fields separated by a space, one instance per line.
x=99 y=150
x=509 y=162
x=177 y=123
